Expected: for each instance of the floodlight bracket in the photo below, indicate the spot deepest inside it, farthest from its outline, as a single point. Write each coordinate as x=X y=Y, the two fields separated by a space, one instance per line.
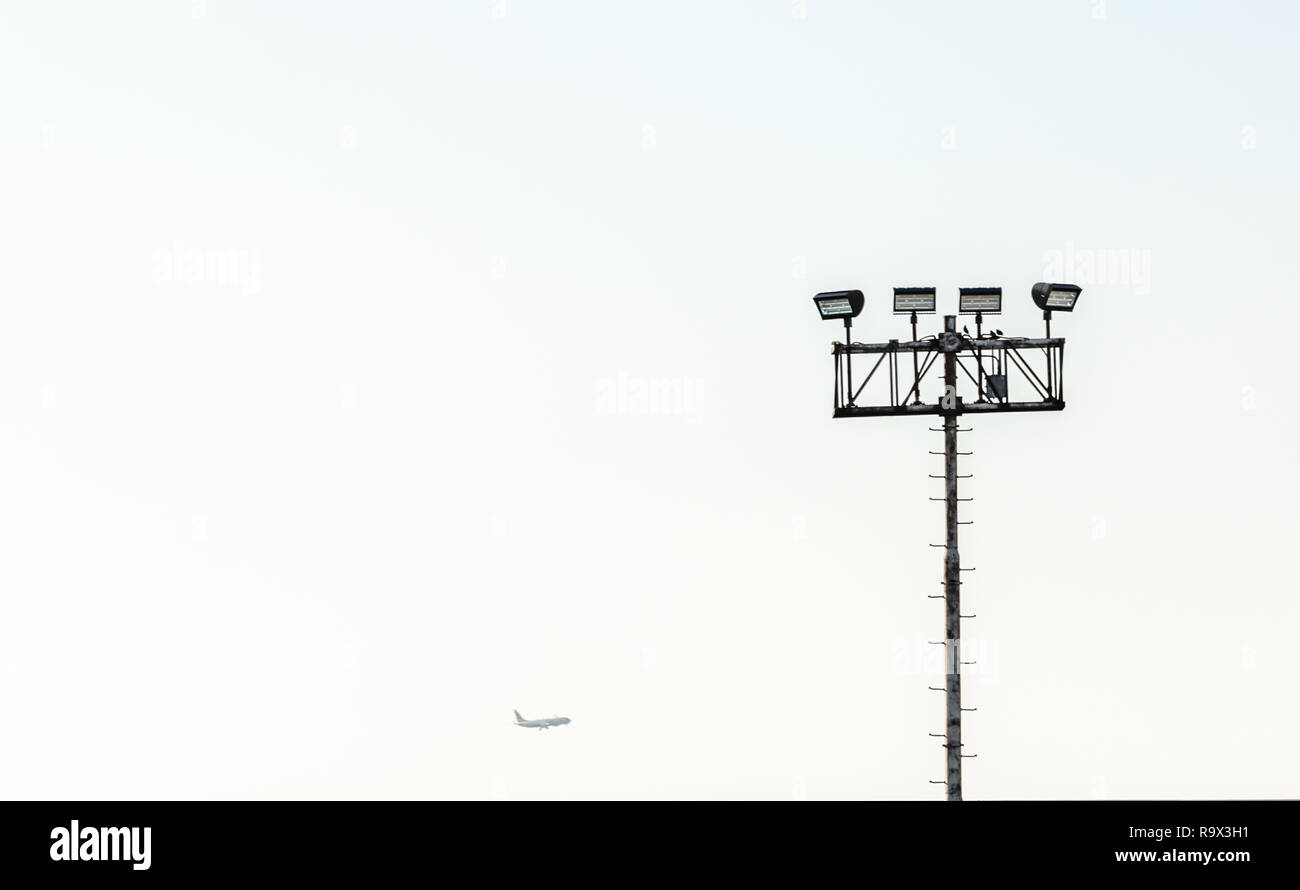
x=1034 y=387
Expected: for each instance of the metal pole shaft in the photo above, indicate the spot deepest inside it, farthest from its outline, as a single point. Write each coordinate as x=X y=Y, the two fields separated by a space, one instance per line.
x=1047 y=317
x=952 y=585
x=916 y=366
x=848 y=358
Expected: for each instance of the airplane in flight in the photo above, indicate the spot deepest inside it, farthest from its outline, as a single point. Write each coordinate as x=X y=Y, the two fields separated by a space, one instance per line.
x=544 y=723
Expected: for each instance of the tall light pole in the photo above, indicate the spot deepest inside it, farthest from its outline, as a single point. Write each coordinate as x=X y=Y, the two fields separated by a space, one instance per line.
x=992 y=357
x=951 y=576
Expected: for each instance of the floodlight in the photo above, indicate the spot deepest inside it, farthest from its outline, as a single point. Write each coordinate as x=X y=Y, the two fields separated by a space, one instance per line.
x=1056 y=297
x=980 y=300
x=844 y=304
x=913 y=299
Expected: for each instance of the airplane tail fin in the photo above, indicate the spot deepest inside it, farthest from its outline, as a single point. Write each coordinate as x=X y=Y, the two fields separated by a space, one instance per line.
x=517 y=717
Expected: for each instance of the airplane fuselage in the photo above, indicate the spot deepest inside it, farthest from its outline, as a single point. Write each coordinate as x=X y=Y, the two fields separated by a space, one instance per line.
x=544 y=723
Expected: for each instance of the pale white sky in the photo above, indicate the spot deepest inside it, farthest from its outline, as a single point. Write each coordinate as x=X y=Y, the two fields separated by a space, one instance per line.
x=328 y=343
